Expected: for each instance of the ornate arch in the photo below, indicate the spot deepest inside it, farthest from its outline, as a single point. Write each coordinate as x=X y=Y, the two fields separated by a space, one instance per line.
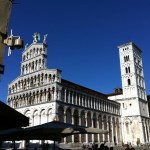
x=49 y=114
x=43 y=116
x=35 y=117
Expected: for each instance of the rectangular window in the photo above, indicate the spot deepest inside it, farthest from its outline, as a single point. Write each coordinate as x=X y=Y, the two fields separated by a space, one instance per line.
x=123 y=105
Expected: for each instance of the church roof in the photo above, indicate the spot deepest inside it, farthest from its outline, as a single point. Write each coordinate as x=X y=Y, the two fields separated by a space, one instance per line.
x=82 y=88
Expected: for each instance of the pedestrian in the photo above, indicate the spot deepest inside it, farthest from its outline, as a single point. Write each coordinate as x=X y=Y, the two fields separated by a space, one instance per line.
x=90 y=146
x=127 y=148
x=102 y=147
x=132 y=148
x=111 y=148
x=46 y=146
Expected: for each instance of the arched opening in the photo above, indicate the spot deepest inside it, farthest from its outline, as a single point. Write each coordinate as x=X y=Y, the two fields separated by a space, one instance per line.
x=124 y=59
x=49 y=115
x=129 y=82
x=83 y=123
x=127 y=132
x=43 y=116
x=35 y=118
x=105 y=128
x=49 y=95
x=28 y=114
x=76 y=122
x=68 y=120
x=89 y=124
x=61 y=114
x=95 y=126
x=126 y=69
x=100 y=126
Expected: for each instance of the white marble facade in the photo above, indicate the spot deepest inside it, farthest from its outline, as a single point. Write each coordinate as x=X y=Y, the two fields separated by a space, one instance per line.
x=43 y=95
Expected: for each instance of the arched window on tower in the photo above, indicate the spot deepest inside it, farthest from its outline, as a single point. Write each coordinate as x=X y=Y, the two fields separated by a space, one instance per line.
x=127 y=127
x=126 y=69
x=129 y=82
x=124 y=59
x=127 y=58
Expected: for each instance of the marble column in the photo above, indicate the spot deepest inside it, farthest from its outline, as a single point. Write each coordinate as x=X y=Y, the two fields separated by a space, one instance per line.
x=108 y=130
x=92 y=125
x=65 y=96
x=97 y=122
x=65 y=120
x=80 y=125
x=86 y=136
x=72 y=122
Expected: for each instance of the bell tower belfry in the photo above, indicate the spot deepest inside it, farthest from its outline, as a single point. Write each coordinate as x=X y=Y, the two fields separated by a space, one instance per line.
x=133 y=83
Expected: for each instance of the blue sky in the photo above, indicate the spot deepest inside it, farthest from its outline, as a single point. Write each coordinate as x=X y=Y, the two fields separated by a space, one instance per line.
x=83 y=36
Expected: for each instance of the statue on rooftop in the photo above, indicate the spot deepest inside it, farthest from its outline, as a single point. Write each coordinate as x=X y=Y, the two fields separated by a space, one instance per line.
x=44 y=40
x=36 y=37
x=26 y=46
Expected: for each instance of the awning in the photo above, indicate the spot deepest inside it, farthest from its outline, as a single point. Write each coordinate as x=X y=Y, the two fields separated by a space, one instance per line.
x=10 y=118
x=63 y=129
x=49 y=131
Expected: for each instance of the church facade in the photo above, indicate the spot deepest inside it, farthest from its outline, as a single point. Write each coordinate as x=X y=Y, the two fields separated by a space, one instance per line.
x=43 y=95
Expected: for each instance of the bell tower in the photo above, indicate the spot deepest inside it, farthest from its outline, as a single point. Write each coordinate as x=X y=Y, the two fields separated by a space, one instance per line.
x=133 y=83
x=134 y=105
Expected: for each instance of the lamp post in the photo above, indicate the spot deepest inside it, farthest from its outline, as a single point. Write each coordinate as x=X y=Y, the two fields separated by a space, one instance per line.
x=13 y=42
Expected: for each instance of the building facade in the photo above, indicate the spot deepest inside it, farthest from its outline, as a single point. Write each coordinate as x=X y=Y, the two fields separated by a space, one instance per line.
x=43 y=95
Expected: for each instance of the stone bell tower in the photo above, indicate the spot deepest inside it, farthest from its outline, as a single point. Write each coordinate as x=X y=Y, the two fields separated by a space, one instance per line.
x=134 y=100
x=133 y=82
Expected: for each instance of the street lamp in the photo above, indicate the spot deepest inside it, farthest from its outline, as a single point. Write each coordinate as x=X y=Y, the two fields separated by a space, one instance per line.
x=13 y=42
